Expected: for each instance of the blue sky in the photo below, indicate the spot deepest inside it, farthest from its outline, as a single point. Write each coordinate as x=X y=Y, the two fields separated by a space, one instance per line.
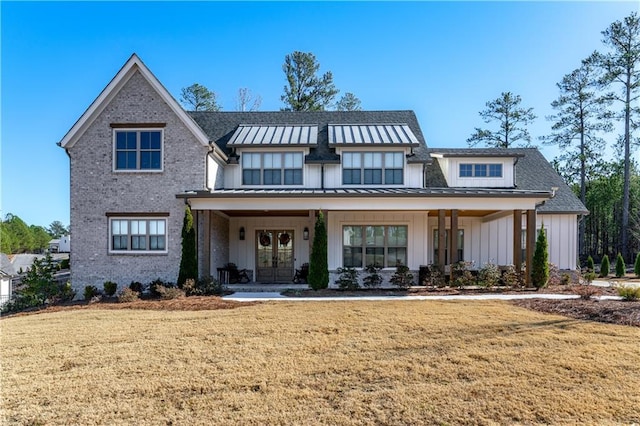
x=442 y=60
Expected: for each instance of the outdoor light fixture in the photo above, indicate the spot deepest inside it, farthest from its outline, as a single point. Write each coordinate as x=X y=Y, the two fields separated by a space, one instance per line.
x=242 y=233
x=305 y=233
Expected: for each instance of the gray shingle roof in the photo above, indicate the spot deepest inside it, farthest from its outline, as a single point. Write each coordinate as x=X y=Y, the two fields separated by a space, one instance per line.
x=6 y=267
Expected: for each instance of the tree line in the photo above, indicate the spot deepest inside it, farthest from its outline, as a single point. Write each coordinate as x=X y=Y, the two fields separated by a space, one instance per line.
x=18 y=237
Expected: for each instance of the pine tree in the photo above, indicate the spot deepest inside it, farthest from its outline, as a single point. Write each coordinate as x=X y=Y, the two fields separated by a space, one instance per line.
x=318 y=264
x=636 y=268
x=189 y=261
x=621 y=268
x=540 y=268
x=604 y=266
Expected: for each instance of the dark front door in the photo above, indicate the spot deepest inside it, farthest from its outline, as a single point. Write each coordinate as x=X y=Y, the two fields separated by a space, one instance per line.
x=274 y=251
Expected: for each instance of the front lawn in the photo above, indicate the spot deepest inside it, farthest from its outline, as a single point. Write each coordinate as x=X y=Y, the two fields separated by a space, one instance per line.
x=341 y=362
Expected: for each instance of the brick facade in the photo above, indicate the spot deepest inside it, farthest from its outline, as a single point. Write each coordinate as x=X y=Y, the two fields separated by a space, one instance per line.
x=96 y=190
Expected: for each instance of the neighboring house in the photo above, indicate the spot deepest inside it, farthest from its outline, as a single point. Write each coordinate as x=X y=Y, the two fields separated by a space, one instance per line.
x=7 y=273
x=60 y=245
x=256 y=180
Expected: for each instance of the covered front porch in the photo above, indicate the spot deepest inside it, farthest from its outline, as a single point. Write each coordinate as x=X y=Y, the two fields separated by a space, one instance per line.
x=271 y=241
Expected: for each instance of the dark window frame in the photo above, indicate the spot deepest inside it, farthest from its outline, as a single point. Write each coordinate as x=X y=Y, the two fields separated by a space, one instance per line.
x=138 y=150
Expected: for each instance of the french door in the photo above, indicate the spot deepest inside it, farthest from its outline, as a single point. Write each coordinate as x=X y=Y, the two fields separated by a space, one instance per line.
x=274 y=256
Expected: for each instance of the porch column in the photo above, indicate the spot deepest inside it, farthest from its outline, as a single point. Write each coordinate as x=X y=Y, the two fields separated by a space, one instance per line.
x=517 y=239
x=204 y=244
x=531 y=243
x=442 y=232
x=453 y=241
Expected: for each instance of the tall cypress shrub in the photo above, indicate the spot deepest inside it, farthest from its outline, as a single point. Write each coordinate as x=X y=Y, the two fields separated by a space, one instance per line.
x=590 y=265
x=189 y=260
x=318 y=264
x=540 y=268
x=605 y=266
x=621 y=268
x=636 y=266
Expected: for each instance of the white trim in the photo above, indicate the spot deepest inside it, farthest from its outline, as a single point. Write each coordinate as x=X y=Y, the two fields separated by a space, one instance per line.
x=133 y=65
x=129 y=251
x=137 y=130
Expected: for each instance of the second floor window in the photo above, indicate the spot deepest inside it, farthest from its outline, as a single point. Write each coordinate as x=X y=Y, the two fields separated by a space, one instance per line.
x=480 y=170
x=372 y=168
x=138 y=150
x=276 y=168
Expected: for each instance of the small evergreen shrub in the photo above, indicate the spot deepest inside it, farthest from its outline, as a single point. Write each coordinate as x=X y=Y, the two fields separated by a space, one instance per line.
x=636 y=267
x=348 y=279
x=153 y=287
x=90 y=291
x=589 y=277
x=136 y=286
x=402 y=278
x=128 y=295
x=373 y=278
x=621 y=268
x=462 y=276
x=628 y=293
x=110 y=288
x=489 y=275
x=205 y=286
x=64 y=264
x=565 y=279
x=590 y=264
x=512 y=278
x=168 y=293
x=540 y=267
x=604 y=267
x=65 y=294
x=436 y=277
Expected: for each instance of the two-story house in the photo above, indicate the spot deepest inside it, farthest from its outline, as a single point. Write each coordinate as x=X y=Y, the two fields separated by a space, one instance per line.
x=256 y=180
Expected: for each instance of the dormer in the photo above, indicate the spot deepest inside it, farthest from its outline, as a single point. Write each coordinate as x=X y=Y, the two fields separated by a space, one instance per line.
x=478 y=168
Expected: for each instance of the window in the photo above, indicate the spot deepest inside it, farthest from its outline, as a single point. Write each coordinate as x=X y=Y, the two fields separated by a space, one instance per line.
x=138 y=149
x=481 y=170
x=138 y=235
x=447 y=238
x=272 y=168
x=381 y=245
x=372 y=168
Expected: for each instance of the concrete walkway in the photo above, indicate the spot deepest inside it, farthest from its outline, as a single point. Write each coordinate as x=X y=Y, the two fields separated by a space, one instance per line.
x=268 y=296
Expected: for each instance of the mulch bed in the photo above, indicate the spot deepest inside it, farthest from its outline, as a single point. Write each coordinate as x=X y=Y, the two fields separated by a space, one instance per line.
x=608 y=311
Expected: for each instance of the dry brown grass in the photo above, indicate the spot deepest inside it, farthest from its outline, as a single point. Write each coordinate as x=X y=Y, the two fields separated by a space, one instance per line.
x=338 y=363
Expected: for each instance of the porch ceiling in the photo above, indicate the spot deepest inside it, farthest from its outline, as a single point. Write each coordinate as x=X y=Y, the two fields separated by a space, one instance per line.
x=268 y=213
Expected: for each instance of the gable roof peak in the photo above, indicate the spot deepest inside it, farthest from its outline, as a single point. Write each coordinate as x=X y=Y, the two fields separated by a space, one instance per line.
x=132 y=66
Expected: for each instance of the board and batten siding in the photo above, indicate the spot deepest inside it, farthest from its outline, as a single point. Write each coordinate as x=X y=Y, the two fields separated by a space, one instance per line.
x=451 y=166
x=416 y=221
x=492 y=241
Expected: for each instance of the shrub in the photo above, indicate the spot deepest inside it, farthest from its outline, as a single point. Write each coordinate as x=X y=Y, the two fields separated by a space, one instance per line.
x=189 y=260
x=462 y=276
x=373 y=278
x=136 y=286
x=566 y=279
x=206 y=286
x=540 y=267
x=586 y=292
x=489 y=275
x=20 y=302
x=512 y=278
x=64 y=264
x=402 y=278
x=65 y=293
x=590 y=265
x=318 y=265
x=636 y=267
x=110 y=288
x=153 y=287
x=168 y=293
x=38 y=282
x=628 y=293
x=436 y=277
x=128 y=295
x=589 y=277
x=621 y=268
x=348 y=279
x=90 y=291
x=604 y=267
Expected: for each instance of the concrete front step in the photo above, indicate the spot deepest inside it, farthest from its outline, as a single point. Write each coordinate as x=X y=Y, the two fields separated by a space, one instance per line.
x=265 y=288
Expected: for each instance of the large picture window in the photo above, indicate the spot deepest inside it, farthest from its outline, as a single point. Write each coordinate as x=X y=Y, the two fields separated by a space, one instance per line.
x=380 y=245
x=372 y=168
x=138 y=235
x=138 y=149
x=272 y=168
x=481 y=170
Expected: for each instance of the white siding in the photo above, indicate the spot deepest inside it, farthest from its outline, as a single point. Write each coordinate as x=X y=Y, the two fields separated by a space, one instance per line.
x=416 y=221
x=450 y=169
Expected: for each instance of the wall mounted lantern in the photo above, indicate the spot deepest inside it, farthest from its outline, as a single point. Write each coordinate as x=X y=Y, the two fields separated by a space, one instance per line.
x=305 y=233
x=242 y=233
